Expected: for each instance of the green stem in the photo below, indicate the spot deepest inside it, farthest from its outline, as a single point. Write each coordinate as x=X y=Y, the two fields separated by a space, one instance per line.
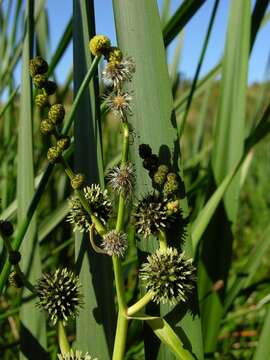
x=122 y=321
x=162 y=240
x=62 y=338
x=120 y=337
x=140 y=304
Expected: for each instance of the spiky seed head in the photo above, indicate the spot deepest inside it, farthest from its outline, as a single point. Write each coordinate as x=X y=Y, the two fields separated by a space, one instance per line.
x=42 y=100
x=115 y=243
x=46 y=127
x=145 y=151
x=15 y=280
x=78 y=216
x=6 y=228
x=151 y=163
x=119 y=103
x=99 y=45
x=37 y=66
x=40 y=80
x=75 y=355
x=115 y=73
x=14 y=257
x=63 y=142
x=54 y=154
x=114 y=54
x=78 y=181
x=122 y=179
x=99 y=201
x=150 y=215
x=59 y=294
x=171 y=187
x=50 y=87
x=169 y=276
x=56 y=113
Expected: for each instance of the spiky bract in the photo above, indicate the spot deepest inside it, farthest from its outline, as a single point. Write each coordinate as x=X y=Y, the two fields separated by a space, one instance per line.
x=59 y=294
x=169 y=276
x=115 y=243
x=75 y=355
x=122 y=179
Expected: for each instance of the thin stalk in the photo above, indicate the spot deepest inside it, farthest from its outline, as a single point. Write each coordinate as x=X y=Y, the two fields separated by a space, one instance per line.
x=140 y=304
x=62 y=338
x=122 y=321
x=162 y=240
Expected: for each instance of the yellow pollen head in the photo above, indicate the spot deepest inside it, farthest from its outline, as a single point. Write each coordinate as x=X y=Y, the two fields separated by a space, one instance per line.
x=99 y=45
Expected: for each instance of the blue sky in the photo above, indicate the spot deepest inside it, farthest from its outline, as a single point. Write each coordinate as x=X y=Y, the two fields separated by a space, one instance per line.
x=59 y=12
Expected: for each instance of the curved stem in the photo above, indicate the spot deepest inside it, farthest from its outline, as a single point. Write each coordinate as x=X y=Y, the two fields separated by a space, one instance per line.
x=62 y=338
x=140 y=304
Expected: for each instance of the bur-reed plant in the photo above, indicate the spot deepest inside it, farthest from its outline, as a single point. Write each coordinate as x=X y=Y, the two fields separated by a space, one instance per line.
x=128 y=208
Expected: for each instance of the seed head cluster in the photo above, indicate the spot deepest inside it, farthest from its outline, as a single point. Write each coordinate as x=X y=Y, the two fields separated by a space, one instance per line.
x=115 y=243
x=59 y=294
x=122 y=179
x=169 y=276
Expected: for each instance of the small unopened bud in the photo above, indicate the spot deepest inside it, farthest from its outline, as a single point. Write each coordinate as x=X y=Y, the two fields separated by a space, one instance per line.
x=99 y=45
x=173 y=207
x=42 y=100
x=46 y=127
x=40 y=80
x=6 y=228
x=159 y=176
x=114 y=54
x=37 y=66
x=15 y=280
x=50 y=87
x=171 y=186
x=145 y=151
x=78 y=181
x=63 y=143
x=56 y=113
x=14 y=257
x=54 y=154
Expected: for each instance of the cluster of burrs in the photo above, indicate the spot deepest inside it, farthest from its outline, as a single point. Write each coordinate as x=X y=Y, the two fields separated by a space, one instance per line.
x=167 y=275
x=121 y=178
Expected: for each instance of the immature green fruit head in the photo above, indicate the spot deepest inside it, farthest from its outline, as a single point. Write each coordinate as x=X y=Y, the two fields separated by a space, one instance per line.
x=99 y=45
x=59 y=294
x=169 y=276
x=37 y=66
x=63 y=142
x=50 y=87
x=15 y=280
x=54 y=154
x=56 y=113
x=46 y=127
x=78 y=181
x=171 y=187
x=160 y=175
x=6 y=228
x=40 y=80
x=42 y=100
x=14 y=257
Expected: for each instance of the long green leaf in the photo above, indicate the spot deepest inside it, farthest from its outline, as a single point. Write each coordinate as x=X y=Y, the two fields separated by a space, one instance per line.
x=33 y=330
x=139 y=35
x=95 y=271
x=263 y=348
